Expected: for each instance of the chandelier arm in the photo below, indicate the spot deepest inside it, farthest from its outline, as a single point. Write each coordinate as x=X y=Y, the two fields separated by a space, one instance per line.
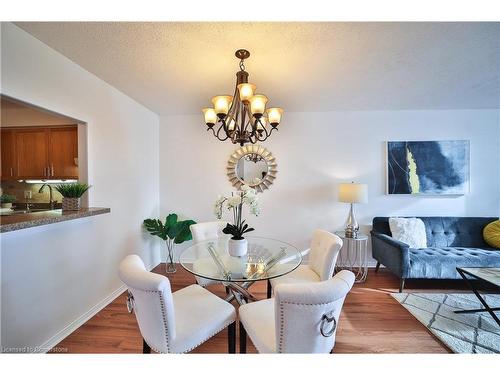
x=271 y=130
x=256 y=137
x=247 y=111
x=259 y=136
x=232 y=114
x=221 y=126
x=216 y=135
x=212 y=129
x=237 y=126
x=263 y=135
x=234 y=103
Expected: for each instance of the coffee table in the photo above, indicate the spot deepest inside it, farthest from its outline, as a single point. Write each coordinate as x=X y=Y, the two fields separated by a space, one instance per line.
x=487 y=275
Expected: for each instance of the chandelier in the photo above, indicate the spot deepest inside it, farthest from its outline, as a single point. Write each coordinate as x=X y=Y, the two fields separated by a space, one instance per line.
x=254 y=158
x=243 y=117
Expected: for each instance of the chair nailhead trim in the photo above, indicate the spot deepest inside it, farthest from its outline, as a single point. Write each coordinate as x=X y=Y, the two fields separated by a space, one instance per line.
x=282 y=315
x=164 y=316
x=208 y=338
x=282 y=318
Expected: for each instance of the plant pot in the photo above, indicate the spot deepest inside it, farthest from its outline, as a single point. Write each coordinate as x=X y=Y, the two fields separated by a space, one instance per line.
x=237 y=248
x=6 y=205
x=70 y=204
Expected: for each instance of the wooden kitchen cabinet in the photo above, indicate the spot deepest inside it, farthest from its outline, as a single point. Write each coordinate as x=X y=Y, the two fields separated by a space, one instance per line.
x=41 y=153
x=63 y=153
x=32 y=153
x=8 y=154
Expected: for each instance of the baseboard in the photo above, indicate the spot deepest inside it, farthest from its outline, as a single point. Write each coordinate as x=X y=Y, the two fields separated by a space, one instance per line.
x=82 y=319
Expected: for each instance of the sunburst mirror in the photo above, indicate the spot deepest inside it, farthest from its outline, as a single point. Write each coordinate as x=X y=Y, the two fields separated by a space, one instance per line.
x=252 y=165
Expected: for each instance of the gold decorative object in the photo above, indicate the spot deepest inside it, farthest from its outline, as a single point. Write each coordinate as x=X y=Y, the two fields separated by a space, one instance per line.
x=264 y=175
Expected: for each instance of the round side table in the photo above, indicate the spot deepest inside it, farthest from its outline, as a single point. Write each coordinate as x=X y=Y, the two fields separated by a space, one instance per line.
x=353 y=256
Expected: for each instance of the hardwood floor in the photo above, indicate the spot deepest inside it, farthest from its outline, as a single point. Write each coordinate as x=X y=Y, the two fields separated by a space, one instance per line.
x=371 y=321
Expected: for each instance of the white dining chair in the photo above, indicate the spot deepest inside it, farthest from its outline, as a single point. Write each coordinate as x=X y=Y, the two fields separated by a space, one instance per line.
x=174 y=322
x=323 y=253
x=301 y=318
x=207 y=231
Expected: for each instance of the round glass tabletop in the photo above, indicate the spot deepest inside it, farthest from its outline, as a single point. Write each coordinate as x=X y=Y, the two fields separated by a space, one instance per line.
x=266 y=259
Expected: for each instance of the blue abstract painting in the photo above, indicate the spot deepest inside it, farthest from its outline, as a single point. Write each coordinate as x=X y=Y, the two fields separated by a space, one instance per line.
x=428 y=167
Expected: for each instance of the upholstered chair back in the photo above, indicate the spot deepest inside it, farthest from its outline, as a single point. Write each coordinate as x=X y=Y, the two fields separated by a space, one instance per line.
x=152 y=303
x=300 y=310
x=207 y=231
x=325 y=247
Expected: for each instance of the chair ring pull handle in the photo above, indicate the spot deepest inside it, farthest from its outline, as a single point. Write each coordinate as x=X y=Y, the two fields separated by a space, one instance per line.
x=130 y=302
x=326 y=319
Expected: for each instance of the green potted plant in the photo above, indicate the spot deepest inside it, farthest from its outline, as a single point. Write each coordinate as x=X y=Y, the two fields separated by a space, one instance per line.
x=172 y=232
x=72 y=194
x=238 y=245
x=6 y=200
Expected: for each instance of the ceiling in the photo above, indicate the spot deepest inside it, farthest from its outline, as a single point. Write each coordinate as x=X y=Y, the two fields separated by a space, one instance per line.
x=175 y=68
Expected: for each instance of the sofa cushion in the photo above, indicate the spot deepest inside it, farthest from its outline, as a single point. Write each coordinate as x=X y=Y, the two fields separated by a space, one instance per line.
x=491 y=234
x=410 y=231
x=441 y=262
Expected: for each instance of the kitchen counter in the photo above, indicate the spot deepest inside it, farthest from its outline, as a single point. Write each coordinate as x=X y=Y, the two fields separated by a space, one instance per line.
x=9 y=223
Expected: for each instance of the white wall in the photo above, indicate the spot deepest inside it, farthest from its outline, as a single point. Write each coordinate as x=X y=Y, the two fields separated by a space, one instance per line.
x=25 y=116
x=316 y=151
x=54 y=276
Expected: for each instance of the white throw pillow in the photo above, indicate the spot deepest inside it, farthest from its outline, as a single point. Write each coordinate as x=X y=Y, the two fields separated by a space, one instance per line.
x=411 y=231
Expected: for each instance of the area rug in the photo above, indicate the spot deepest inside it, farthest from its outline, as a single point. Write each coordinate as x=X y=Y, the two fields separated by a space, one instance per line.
x=462 y=333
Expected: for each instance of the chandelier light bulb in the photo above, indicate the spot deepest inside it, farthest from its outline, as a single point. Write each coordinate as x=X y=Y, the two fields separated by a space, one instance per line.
x=221 y=104
x=246 y=91
x=231 y=124
x=274 y=115
x=210 y=116
x=258 y=105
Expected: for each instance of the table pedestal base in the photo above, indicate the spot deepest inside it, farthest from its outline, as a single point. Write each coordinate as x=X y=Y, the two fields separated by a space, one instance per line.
x=239 y=292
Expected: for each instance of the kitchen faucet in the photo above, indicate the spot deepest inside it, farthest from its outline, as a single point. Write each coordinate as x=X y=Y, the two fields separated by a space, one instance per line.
x=51 y=202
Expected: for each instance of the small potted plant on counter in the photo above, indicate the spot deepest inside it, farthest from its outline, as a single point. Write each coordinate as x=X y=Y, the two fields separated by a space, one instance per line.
x=6 y=200
x=238 y=245
x=172 y=232
x=72 y=194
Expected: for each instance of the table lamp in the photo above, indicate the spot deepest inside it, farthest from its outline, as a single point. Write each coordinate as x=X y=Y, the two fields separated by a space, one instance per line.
x=352 y=193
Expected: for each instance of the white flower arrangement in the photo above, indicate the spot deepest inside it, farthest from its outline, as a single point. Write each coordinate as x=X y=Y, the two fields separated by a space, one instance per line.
x=246 y=196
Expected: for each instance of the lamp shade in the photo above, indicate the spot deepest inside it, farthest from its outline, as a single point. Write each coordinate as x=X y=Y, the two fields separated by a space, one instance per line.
x=274 y=115
x=222 y=104
x=353 y=193
x=246 y=91
x=210 y=115
x=258 y=104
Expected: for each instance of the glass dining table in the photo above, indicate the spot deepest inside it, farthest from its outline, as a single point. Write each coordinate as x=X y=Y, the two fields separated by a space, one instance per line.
x=266 y=259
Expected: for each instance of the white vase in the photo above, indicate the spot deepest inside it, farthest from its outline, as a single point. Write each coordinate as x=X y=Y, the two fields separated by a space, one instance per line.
x=237 y=248
x=6 y=205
